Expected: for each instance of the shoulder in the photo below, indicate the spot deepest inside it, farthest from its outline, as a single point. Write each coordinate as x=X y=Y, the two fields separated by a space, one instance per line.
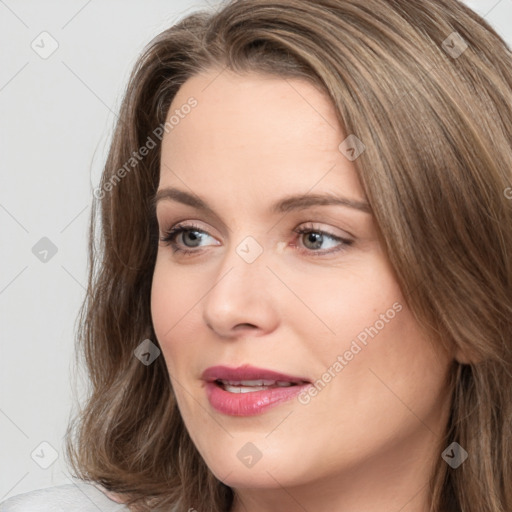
x=74 y=497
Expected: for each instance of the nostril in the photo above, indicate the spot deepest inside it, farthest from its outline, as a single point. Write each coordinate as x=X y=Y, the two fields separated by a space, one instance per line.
x=243 y=326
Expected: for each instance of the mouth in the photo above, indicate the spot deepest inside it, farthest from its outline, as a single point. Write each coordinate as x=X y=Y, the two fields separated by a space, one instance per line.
x=249 y=386
x=246 y=390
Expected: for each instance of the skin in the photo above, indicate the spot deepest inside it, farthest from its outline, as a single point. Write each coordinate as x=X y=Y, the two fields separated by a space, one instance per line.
x=368 y=440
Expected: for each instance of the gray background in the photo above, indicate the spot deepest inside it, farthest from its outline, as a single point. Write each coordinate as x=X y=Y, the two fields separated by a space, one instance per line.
x=57 y=116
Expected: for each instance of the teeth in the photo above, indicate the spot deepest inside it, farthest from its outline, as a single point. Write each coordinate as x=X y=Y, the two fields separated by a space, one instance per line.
x=248 y=386
x=260 y=382
x=241 y=389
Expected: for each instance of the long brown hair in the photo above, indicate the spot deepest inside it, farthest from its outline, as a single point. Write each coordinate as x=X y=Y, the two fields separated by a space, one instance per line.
x=427 y=87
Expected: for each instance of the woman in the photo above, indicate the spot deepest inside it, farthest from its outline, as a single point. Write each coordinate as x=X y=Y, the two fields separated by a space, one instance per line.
x=303 y=294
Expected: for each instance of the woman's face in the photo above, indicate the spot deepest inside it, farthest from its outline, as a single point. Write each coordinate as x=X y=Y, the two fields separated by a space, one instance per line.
x=322 y=306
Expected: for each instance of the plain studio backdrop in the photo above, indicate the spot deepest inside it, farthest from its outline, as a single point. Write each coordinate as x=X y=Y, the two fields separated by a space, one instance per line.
x=64 y=65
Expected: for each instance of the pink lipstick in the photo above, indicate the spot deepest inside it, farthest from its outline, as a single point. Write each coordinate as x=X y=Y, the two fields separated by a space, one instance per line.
x=247 y=390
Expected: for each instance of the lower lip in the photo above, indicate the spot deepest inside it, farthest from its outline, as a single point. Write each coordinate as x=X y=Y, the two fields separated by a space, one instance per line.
x=249 y=404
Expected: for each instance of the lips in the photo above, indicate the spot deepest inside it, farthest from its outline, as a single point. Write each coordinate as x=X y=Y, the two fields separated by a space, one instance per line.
x=248 y=373
x=247 y=390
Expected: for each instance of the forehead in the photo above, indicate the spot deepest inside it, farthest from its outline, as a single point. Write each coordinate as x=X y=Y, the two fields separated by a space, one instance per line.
x=255 y=105
x=250 y=129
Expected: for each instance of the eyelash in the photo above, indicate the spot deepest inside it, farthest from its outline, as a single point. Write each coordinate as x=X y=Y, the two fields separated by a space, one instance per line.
x=170 y=236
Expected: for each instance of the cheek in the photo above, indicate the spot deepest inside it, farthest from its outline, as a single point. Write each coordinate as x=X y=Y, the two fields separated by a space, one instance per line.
x=163 y=301
x=374 y=356
x=385 y=373
x=174 y=292
x=351 y=303
x=173 y=295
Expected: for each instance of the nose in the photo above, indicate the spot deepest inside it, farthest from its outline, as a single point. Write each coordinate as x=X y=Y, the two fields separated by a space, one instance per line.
x=242 y=299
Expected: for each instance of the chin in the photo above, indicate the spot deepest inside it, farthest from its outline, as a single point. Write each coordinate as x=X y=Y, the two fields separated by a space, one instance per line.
x=273 y=470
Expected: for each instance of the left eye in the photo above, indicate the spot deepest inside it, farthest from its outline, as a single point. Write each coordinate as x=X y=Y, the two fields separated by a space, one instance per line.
x=312 y=239
x=315 y=239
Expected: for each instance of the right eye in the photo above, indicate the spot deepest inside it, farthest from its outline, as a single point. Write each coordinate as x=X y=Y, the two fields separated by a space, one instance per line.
x=193 y=232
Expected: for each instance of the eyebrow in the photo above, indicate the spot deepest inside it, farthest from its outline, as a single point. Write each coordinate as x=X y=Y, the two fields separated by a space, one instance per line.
x=284 y=205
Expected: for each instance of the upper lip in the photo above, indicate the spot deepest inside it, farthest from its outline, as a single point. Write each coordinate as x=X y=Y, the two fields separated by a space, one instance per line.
x=247 y=372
